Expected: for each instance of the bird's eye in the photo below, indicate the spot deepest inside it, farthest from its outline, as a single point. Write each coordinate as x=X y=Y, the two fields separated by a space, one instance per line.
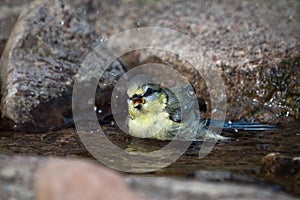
x=148 y=92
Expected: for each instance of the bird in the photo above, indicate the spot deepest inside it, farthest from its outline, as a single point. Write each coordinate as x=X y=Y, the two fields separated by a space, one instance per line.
x=164 y=113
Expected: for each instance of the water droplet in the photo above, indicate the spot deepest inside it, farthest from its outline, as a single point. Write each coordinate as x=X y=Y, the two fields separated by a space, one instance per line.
x=112 y=123
x=62 y=22
x=102 y=40
x=90 y=101
x=287 y=114
x=95 y=108
x=68 y=83
x=117 y=97
x=138 y=24
x=113 y=74
x=15 y=126
x=190 y=92
x=99 y=111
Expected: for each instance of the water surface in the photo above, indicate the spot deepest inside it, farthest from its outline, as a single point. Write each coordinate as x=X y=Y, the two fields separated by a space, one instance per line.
x=242 y=155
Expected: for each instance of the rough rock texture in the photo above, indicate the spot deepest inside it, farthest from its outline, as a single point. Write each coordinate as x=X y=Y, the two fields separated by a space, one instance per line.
x=42 y=56
x=276 y=165
x=255 y=45
x=9 y=12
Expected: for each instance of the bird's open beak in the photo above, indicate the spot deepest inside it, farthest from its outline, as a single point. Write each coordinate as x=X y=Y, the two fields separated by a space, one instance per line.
x=137 y=102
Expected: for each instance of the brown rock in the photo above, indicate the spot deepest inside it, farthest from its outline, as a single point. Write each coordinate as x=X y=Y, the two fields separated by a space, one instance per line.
x=277 y=164
x=284 y=169
x=255 y=48
x=255 y=45
x=42 y=56
x=9 y=12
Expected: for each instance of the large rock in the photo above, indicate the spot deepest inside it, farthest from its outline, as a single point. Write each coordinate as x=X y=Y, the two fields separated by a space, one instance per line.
x=255 y=46
x=41 y=58
x=9 y=12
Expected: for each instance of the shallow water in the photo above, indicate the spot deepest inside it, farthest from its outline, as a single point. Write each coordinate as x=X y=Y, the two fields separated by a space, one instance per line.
x=242 y=155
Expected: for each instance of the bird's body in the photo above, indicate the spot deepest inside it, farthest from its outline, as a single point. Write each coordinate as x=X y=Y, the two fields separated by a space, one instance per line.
x=165 y=114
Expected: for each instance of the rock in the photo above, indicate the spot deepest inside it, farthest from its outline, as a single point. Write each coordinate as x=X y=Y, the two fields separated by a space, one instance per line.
x=16 y=176
x=73 y=179
x=284 y=169
x=170 y=188
x=39 y=64
x=232 y=177
x=52 y=178
x=9 y=12
x=254 y=45
x=277 y=164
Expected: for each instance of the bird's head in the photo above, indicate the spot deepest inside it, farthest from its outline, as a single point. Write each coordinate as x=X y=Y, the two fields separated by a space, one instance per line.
x=146 y=99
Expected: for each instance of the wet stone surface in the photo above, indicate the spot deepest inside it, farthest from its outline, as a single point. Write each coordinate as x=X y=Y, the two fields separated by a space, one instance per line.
x=39 y=64
x=241 y=156
x=9 y=13
x=254 y=45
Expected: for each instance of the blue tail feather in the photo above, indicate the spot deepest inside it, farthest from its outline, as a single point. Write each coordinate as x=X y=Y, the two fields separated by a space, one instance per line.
x=241 y=125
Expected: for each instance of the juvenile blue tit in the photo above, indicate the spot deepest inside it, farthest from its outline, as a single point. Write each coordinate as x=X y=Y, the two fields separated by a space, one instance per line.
x=165 y=114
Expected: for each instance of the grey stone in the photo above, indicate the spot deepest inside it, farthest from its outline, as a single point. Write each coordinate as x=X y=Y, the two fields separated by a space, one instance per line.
x=39 y=64
x=9 y=13
x=164 y=188
x=17 y=176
